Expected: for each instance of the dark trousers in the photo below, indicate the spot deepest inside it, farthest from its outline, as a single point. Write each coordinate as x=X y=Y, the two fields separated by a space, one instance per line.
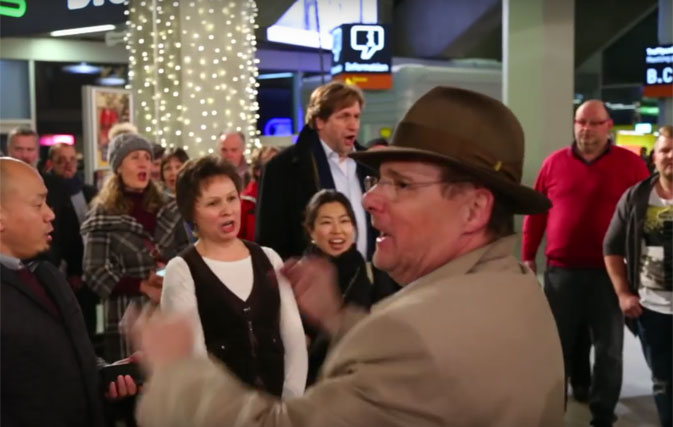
x=655 y=331
x=580 y=371
x=578 y=296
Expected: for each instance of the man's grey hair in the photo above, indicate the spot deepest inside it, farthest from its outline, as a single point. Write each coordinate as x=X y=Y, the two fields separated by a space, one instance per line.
x=239 y=133
x=54 y=149
x=20 y=131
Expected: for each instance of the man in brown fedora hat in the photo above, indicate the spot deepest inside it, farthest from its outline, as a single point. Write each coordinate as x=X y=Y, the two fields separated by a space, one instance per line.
x=468 y=341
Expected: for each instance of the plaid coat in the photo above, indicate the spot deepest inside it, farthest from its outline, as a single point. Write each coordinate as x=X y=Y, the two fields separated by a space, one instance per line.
x=116 y=246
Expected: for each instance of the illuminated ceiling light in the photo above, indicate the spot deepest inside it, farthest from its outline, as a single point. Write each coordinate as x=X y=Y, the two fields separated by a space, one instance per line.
x=111 y=81
x=271 y=76
x=82 y=30
x=81 y=68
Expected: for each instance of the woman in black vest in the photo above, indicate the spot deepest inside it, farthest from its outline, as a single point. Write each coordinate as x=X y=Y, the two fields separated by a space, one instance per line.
x=244 y=313
x=330 y=224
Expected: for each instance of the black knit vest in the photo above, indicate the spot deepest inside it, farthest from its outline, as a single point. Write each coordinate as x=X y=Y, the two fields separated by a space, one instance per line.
x=244 y=335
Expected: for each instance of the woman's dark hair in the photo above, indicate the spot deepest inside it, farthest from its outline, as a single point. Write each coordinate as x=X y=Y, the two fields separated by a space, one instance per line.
x=259 y=158
x=194 y=174
x=323 y=197
x=174 y=153
x=157 y=151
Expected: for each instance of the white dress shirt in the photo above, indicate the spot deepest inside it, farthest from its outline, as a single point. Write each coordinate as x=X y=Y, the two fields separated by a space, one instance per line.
x=80 y=205
x=10 y=262
x=344 y=174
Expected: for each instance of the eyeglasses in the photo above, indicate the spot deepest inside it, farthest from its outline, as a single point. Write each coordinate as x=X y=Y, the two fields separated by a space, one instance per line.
x=65 y=160
x=392 y=189
x=590 y=123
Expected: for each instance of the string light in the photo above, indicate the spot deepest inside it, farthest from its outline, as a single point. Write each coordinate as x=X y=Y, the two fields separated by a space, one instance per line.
x=190 y=63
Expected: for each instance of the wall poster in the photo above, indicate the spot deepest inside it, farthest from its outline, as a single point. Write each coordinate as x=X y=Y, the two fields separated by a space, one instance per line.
x=103 y=107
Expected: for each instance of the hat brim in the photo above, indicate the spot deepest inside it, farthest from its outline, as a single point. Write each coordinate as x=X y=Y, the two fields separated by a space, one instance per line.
x=520 y=199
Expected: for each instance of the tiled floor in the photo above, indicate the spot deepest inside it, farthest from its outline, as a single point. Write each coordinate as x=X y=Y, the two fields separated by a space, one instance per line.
x=636 y=406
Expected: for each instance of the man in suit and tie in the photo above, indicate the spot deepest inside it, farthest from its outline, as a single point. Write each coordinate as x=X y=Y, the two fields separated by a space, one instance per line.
x=49 y=369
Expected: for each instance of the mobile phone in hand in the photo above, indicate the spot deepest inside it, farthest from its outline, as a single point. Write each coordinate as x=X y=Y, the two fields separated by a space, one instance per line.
x=110 y=373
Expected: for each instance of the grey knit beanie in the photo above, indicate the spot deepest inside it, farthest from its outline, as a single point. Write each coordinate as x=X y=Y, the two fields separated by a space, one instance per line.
x=123 y=144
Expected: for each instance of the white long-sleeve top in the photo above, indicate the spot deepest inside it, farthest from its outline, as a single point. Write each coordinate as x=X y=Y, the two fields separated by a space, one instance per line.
x=178 y=296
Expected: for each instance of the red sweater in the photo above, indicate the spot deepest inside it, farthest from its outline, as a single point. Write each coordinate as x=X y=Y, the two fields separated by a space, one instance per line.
x=248 y=204
x=583 y=196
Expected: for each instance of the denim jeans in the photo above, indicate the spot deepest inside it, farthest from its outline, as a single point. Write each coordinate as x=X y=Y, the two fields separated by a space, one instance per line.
x=655 y=332
x=586 y=296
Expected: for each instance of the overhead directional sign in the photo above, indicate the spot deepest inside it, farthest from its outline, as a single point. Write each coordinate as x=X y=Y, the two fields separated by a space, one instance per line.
x=659 y=71
x=361 y=55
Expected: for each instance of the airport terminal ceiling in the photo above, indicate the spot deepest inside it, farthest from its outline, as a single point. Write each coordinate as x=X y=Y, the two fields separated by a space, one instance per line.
x=475 y=33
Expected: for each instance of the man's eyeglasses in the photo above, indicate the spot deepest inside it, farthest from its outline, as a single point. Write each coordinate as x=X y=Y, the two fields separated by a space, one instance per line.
x=65 y=160
x=590 y=123
x=392 y=189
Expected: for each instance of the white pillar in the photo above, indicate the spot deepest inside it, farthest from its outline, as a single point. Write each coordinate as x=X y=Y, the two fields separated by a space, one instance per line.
x=665 y=32
x=193 y=71
x=538 y=74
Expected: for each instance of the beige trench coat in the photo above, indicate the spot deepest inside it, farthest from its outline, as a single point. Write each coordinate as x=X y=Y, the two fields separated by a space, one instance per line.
x=471 y=344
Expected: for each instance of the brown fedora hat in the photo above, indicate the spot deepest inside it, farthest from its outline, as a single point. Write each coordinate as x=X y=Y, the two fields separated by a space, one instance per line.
x=469 y=132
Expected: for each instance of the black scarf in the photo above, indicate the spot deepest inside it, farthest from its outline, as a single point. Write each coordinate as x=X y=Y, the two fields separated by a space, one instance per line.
x=349 y=265
x=74 y=184
x=355 y=288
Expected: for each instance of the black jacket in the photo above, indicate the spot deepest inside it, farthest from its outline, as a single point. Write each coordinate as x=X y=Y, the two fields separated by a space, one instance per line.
x=67 y=242
x=57 y=193
x=625 y=233
x=49 y=369
x=356 y=289
x=288 y=182
x=351 y=269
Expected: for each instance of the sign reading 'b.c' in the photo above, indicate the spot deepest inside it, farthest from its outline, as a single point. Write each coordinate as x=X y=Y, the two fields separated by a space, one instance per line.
x=658 y=71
